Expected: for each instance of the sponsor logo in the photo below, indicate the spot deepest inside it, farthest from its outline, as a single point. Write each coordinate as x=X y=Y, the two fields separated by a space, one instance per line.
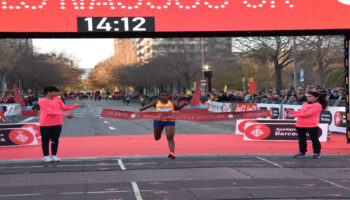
x=35 y=129
x=275 y=113
x=227 y=108
x=21 y=136
x=136 y=116
x=241 y=126
x=257 y=131
x=338 y=119
x=243 y=107
x=326 y=117
x=233 y=116
x=240 y=107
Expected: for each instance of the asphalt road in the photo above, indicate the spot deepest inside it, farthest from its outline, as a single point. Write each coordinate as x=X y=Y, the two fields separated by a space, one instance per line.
x=88 y=122
x=189 y=177
x=186 y=178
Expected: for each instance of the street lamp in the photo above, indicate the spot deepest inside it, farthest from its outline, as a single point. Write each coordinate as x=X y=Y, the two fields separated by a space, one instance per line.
x=206 y=68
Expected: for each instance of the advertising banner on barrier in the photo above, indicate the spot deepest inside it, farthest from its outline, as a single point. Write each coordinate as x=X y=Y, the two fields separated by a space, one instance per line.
x=32 y=127
x=275 y=109
x=17 y=137
x=215 y=106
x=335 y=117
x=278 y=132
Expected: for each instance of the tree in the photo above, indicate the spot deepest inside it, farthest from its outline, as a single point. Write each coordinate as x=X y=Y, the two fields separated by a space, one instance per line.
x=275 y=51
x=322 y=52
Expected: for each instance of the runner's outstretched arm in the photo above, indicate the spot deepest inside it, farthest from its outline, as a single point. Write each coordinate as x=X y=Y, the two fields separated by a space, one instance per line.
x=148 y=106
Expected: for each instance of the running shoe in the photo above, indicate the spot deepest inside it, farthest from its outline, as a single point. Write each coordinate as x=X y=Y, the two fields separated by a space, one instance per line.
x=172 y=156
x=316 y=155
x=299 y=155
x=56 y=159
x=47 y=159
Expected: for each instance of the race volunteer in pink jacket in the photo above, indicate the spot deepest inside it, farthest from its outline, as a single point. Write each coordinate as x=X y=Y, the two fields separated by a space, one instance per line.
x=307 y=122
x=51 y=121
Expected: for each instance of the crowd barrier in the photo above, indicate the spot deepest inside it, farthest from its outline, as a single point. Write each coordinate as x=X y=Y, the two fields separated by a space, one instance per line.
x=12 y=111
x=335 y=117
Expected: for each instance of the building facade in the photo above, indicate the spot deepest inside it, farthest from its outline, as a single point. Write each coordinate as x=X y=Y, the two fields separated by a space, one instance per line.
x=125 y=52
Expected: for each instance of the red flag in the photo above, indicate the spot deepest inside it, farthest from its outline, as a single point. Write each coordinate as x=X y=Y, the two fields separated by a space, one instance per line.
x=252 y=87
x=196 y=99
x=18 y=97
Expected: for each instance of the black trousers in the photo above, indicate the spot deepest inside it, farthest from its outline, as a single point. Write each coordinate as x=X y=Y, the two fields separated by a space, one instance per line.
x=313 y=133
x=50 y=133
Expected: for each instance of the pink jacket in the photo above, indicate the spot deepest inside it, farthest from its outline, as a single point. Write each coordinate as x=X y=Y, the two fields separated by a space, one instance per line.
x=50 y=111
x=308 y=116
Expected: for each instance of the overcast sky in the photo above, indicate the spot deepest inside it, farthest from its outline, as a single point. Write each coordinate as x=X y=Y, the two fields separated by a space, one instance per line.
x=86 y=52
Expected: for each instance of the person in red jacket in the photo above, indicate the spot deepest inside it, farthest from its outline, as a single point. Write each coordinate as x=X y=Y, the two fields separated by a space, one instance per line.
x=307 y=122
x=50 y=121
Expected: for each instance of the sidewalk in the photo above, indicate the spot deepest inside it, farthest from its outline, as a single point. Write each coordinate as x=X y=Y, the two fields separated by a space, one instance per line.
x=143 y=145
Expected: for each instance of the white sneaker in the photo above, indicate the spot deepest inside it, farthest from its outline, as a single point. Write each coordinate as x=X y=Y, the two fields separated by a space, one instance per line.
x=56 y=159
x=47 y=159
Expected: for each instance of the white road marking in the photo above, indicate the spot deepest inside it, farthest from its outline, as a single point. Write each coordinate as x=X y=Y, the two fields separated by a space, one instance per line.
x=120 y=162
x=106 y=192
x=106 y=122
x=27 y=120
x=136 y=190
x=273 y=163
x=88 y=165
x=19 y=195
x=71 y=193
x=334 y=184
x=112 y=128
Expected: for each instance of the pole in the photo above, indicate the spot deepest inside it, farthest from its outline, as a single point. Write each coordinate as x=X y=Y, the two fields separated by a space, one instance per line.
x=209 y=83
x=243 y=79
x=202 y=44
x=346 y=77
x=295 y=64
x=202 y=48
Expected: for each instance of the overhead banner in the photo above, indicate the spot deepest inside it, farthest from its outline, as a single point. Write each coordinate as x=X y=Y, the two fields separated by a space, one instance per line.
x=172 y=15
x=167 y=116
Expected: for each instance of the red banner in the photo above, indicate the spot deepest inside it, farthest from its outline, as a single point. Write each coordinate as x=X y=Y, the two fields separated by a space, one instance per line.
x=203 y=117
x=173 y=15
